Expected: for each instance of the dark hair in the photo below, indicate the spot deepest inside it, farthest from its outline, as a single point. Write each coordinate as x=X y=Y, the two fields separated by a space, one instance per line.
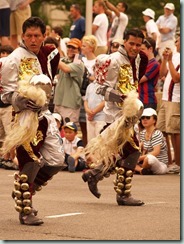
x=149 y=42
x=6 y=49
x=34 y=22
x=51 y=40
x=76 y=6
x=58 y=30
x=136 y=32
x=125 y=5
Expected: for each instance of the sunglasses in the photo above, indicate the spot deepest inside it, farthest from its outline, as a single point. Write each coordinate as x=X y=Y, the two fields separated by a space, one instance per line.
x=145 y=117
x=115 y=45
x=72 y=47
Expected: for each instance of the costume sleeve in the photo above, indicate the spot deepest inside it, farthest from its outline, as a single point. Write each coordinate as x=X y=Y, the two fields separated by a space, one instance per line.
x=9 y=78
x=106 y=73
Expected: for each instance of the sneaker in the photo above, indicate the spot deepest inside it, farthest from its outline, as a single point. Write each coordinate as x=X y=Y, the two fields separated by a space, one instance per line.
x=173 y=169
x=71 y=164
x=8 y=164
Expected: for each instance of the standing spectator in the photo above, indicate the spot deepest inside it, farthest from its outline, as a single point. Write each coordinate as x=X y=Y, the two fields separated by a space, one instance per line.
x=48 y=31
x=95 y=116
x=57 y=32
x=33 y=58
x=20 y=11
x=167 y=24
x=169 y=112
x=119 y=19
x=67 y=97
x=4 y=22
x=89 y=45
x=154 y=157
x=151 y=27
x=73 y=147
x=77 y=29
x=114 y=73
x=100 y=27
x=147 y=83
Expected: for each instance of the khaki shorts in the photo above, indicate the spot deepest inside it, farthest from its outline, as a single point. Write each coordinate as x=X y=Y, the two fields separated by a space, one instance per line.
x=17 y=19
x=72 y=114
x=5 y=121
x=169 y=117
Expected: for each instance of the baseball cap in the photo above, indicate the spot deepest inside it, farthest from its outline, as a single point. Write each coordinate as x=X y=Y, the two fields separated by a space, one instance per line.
x=44 y=79
x=149 y=112
x=71 y=125
x=74 y=42
x=169 y=6
x=149 y=12
x=120 y=41
x=57 y=116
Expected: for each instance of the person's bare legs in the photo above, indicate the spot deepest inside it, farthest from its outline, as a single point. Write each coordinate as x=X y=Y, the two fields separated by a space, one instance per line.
x=14 y=41
x=175 y=138
x=5 y=40
x=168 y=149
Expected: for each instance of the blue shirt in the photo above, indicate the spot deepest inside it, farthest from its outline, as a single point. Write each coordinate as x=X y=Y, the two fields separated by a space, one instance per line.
x=77 y=30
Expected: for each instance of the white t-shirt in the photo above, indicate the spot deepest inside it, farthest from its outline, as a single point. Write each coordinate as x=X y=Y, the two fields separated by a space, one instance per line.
x=102 y=22
x=151 y=27
x=89 y=64
x=71 y=146
x=119 y=25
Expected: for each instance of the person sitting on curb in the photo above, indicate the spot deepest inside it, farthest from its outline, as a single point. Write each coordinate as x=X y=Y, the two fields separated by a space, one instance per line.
x=73 y=147
x=154 y=157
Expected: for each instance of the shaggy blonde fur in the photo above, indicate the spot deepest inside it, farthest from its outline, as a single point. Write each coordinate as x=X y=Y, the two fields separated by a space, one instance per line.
x=25 y=124
x=106 y=146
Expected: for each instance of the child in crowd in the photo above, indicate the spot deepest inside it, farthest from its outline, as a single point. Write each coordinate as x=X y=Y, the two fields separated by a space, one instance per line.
x=60 y=123
x=154 y=157
x=5 y=50
x=73 y=147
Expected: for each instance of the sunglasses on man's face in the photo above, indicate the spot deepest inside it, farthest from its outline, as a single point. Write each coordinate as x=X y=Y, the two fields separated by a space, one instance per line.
x=145 y=117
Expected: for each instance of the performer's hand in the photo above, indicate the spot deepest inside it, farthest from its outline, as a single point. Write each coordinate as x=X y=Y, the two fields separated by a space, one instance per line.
x=20 y=103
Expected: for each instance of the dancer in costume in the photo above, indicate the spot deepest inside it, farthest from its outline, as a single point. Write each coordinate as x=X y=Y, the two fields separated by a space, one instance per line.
x=116 y=148
x=41 y=156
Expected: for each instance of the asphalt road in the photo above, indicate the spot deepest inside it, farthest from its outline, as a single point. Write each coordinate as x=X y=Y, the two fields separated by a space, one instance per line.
x=71 y=212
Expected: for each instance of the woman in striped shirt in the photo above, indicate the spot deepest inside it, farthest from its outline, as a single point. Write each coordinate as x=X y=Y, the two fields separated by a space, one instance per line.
x=154 y=157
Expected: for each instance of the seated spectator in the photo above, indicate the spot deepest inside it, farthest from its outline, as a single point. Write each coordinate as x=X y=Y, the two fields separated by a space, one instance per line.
x=154 y=157
x=59 y=122
x=73 y=147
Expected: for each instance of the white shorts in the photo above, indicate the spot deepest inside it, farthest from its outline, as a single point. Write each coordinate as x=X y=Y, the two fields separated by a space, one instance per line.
x=157 y=167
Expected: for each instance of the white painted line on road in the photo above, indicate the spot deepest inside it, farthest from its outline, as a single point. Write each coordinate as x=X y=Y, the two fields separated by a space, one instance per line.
x=149 y=203
x=62 y=215
x=10 y=175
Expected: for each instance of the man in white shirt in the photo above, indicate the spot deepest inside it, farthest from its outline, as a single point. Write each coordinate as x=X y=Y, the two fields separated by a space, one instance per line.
x=167 y=24
x=100 y=27
x=151 y=26
x=119 y=19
